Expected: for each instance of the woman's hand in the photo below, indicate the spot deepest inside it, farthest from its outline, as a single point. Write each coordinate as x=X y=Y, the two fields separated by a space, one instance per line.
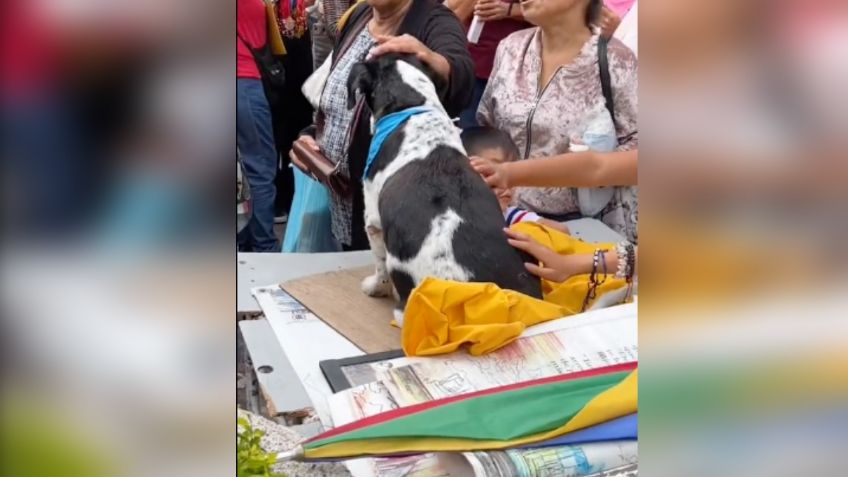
x=489 y=10
x=408 y=44
x=608 y=22
x=307 y=141
x=552 y=266
x=496 y=175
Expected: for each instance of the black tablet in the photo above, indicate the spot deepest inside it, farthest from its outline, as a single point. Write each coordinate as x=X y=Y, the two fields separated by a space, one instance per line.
x=346 y=373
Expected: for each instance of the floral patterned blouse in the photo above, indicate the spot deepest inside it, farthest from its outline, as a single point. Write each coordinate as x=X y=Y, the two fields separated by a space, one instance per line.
x=542 y=118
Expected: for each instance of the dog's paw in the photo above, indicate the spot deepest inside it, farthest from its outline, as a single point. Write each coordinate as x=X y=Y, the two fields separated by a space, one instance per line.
x=376 y=286
x=398 y=315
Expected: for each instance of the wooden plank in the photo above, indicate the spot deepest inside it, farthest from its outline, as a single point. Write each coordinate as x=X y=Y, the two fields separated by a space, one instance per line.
x=336 y=298
x=246 y=392
x=277 y=379
x=263 y=269
x=305 y=341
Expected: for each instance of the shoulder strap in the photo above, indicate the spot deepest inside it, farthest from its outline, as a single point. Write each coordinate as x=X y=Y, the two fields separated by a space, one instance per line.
x=606 y=81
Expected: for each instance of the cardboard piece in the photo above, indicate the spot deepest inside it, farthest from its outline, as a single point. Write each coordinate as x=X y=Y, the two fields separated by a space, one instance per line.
x=336 y=298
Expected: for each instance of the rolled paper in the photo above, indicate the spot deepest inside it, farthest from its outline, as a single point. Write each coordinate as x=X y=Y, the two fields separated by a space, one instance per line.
x=475 y=29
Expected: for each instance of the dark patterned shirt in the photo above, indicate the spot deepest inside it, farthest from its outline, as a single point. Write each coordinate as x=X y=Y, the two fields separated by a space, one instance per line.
x=333 y=139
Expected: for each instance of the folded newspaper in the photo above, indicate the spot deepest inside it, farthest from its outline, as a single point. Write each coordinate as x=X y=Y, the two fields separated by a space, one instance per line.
x=631 y=470
x=560 y=461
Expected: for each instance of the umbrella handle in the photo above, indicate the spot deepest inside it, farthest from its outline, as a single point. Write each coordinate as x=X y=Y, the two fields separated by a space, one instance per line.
x=295 y=454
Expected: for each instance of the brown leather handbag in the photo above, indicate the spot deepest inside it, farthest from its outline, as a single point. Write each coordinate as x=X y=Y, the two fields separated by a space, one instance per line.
x=320 y=168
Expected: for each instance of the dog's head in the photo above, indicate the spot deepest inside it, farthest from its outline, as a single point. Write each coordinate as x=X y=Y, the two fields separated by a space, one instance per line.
x=392 y=83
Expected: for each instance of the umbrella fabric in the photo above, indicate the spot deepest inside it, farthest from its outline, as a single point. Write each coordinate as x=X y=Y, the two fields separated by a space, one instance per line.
x=616 y=429
x=499 y=418
x=442 y=315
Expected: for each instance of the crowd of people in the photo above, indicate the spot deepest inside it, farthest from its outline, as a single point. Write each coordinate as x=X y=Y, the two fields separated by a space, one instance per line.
x=546 y=98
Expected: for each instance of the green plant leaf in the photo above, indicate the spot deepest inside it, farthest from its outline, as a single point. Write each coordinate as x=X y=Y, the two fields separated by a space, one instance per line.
x=252 y=460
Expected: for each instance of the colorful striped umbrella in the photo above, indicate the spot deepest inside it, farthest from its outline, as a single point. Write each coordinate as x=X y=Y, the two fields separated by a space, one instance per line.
x=505 y=417
x=618 y=429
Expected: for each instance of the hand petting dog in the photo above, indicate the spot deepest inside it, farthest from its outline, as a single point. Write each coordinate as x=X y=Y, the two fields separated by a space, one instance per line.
x=408 y=44
x=552 y=266
x=495 y=175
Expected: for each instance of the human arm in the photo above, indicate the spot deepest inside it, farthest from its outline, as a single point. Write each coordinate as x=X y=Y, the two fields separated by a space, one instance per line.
x=307 y=136
x=308 y=141
x=442 y=46
x=559 y=268
x=408 y=44
x=463 y=9
x=577 y=169
x=553 y=266
x=608 y=22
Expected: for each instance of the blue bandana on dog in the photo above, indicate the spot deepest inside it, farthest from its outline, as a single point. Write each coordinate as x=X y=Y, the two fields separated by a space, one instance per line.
x=384 y=127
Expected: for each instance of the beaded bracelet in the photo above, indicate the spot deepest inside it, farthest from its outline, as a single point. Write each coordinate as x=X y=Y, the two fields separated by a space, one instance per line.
x=631 y=262
x=590 y=293
x=599 y=257
x=595 y=260
x=626 y=266
x=621 y=251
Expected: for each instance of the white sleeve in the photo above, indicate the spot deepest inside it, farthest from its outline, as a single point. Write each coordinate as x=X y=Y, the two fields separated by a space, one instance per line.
x=514 y=215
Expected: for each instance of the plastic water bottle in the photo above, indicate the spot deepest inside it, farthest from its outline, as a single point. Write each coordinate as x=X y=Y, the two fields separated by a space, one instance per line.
x=597 y=134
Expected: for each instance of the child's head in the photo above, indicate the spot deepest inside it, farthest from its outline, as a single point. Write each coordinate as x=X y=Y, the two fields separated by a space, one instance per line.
x=490 y=144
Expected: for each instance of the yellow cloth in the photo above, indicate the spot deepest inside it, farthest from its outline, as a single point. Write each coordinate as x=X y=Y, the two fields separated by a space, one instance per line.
x=442 y=315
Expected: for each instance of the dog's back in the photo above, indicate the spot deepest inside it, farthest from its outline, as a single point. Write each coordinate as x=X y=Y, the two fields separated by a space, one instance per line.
x=440 y=219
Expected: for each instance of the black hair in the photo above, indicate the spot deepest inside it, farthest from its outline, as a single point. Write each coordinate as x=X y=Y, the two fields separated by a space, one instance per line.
x=477 y=138
x=593 y=12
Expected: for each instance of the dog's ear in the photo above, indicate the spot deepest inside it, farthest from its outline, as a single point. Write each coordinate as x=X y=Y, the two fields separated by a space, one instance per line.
x=361 y=79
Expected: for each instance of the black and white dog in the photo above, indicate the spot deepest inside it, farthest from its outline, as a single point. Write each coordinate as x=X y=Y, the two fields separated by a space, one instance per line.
x=427 y=212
